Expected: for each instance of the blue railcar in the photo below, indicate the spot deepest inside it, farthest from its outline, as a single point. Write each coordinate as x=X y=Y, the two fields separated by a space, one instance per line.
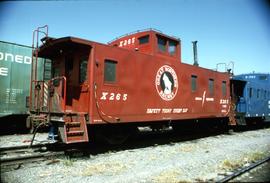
x=252 y=96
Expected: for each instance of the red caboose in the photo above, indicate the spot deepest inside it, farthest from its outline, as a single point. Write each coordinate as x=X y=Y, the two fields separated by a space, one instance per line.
x=136 y=80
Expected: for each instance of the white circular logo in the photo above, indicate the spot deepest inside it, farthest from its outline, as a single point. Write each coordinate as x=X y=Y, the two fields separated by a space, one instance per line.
x=166 y=83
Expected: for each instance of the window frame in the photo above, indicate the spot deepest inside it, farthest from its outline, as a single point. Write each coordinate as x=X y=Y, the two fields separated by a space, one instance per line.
x=83 y=60
x=224 y=88
x=211 y=86
x=144 y=39
x=193 y=83
x=162 y=49
x=115 y=78
x=174 y=46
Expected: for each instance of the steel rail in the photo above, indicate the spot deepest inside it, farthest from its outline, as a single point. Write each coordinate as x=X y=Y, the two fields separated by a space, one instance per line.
x=11 y=148
x=18 y=155
x=30 y=157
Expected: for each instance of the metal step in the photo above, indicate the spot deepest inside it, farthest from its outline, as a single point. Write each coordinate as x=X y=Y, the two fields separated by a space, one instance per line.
x=73 y=124
x=75 y=133
x=75 y=129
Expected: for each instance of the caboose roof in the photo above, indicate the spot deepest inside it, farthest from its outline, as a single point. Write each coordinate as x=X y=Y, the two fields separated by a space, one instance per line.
x=56 y=46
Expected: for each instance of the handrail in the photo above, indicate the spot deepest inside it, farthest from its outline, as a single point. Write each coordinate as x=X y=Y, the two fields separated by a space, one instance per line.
x=44 y=30
x=229 y=67
x=138 y=31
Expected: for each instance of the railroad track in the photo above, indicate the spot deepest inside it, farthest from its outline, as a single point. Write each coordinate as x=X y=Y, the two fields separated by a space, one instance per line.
x=241 y=171
x=14 y=157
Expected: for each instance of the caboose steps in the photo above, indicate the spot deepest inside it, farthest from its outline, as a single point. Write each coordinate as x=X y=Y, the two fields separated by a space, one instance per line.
x=74 y=129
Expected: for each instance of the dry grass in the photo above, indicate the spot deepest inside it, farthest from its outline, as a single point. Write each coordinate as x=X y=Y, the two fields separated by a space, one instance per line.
x=104 y=168
x=257 y=156
x=45 y=174
x=230 y=165
x=187 y=148
x=168 y=176
x=250 y=158
x=153 y=157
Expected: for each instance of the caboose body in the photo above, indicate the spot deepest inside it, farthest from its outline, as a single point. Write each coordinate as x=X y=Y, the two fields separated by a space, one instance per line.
x=253 y=102
x=135 y=80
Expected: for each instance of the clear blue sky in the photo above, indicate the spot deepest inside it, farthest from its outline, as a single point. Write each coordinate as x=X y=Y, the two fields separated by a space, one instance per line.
x=226 y=30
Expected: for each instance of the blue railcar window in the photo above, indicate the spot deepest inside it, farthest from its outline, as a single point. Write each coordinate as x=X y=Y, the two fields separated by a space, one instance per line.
x=265 y=93
x=110 y=71
x=250 y=92
x=211 y=86
x=258 y=93
x=264 y=77
x=224 y=88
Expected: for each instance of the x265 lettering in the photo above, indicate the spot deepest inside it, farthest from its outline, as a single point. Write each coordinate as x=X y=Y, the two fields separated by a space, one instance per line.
x=114 y=96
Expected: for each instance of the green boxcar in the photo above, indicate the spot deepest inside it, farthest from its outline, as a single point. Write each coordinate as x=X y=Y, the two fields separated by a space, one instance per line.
x=15 y=73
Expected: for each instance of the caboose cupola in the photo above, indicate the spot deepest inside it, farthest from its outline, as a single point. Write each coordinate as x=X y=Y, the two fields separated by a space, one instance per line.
x=150 y=42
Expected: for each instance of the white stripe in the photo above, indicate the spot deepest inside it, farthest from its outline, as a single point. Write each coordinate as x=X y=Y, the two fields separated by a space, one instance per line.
x=209 y=99
x=198 y=98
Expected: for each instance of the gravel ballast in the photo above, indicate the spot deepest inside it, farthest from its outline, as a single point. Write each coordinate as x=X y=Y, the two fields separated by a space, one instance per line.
x=205 y=159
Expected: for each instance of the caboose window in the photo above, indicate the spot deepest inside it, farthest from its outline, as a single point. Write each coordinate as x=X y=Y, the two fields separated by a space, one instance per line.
x=211 y=86
x=172 y=47
x=144 y=39
x=110 y=71
x=55 y=71
x=83 y=70
x=224 y=89
x=161 y=44
x=193 y=83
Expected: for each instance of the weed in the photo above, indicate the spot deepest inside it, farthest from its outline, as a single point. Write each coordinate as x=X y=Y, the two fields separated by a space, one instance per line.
x=100 y=168
x=167 y=176
x=68 y=162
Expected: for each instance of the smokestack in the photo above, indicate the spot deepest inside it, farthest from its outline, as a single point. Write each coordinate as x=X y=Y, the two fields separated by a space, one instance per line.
x=195 y=55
